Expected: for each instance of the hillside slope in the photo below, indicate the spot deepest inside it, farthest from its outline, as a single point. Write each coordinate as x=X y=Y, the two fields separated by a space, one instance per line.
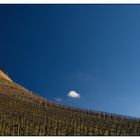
x=4 y=76
x=24 y=113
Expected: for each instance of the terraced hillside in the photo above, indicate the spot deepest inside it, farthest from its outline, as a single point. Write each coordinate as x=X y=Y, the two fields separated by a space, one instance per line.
x=25 y=113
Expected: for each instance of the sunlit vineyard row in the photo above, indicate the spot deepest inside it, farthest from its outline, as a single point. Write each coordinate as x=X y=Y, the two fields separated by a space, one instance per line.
x=23 y=113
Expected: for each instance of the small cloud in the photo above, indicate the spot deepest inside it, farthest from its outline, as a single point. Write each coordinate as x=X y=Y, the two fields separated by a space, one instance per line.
x=73 y=94
x=58 y=99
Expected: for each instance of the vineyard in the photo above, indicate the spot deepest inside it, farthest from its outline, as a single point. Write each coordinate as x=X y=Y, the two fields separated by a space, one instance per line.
x=23 y=113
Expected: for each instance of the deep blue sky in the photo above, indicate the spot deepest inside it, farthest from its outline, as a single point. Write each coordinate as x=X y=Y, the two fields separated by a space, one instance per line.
x=92 y=49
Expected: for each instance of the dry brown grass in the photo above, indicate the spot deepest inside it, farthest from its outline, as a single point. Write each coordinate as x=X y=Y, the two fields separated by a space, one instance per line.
x=4 y=76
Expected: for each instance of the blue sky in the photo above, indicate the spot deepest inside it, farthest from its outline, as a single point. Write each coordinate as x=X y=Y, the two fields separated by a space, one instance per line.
x=91 y=49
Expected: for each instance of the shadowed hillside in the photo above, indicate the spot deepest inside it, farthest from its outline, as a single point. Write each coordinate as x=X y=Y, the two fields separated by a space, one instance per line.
x=25 y=113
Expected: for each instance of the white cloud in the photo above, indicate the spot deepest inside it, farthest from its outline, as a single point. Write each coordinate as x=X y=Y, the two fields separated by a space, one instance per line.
x=73 y=94
x=58 y=99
